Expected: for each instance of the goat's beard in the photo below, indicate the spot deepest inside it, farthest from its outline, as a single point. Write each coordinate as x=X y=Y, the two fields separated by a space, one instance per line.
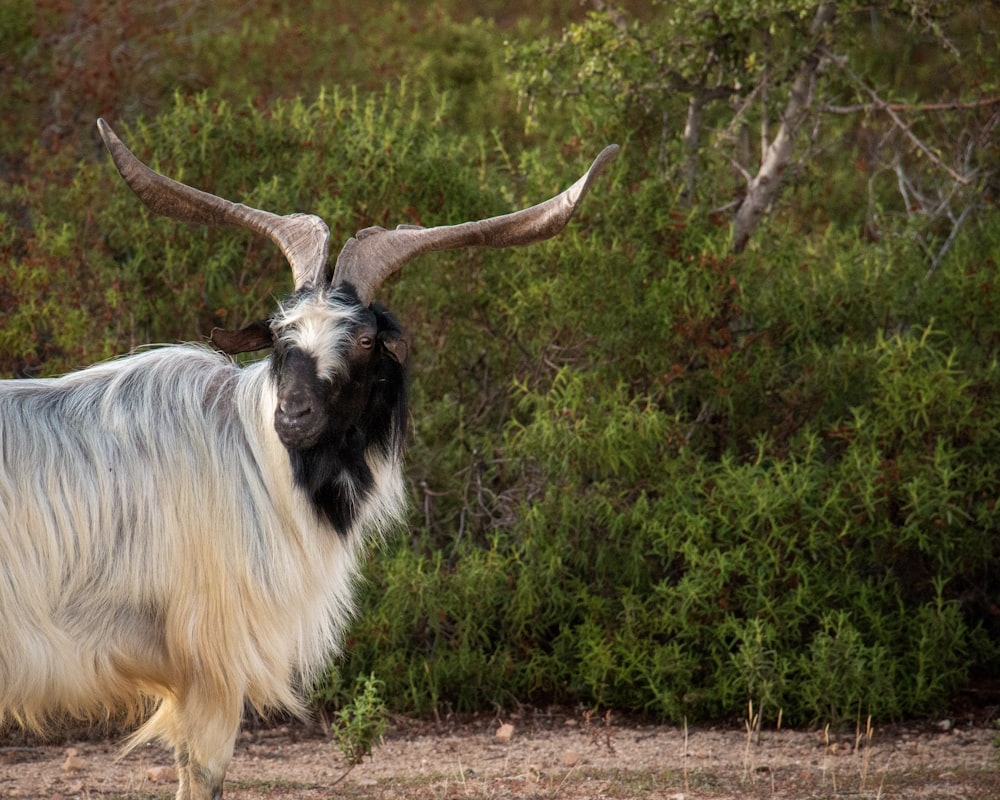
x=335 y=476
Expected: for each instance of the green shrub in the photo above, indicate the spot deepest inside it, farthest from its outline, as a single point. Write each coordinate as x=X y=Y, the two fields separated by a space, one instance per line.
x=801 y=514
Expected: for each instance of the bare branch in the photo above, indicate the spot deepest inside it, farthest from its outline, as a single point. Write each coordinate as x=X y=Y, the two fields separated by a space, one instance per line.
x=891 y=109
x=736 y=165
x=908 y=107
x=764 y=187
x=949 y=241
x=729 y=131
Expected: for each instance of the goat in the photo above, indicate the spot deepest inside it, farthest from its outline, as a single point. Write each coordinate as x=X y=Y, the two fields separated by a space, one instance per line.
x=181 y=534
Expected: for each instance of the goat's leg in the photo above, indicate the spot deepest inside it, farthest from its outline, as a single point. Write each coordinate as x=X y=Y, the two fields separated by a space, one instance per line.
x=200 y=780
x=205 y=752
x=204 y=782
x=182 y=761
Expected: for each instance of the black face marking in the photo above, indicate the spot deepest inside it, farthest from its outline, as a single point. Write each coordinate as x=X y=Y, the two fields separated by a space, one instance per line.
x=302 y=417
x=334 y=429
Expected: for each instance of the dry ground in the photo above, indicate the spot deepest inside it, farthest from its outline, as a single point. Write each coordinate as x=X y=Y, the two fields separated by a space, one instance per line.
x=551 y=755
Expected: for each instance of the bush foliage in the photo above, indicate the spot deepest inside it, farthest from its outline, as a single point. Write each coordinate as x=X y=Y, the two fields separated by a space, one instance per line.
x=645 y=473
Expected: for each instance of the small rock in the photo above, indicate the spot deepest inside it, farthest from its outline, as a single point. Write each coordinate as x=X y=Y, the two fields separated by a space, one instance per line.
x=73 y=763
x=505 y=732
x=570 y=758
x=162 y=774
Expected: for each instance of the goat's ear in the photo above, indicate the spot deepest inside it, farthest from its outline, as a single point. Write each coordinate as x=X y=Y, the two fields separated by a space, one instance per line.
x=255 y=336
x=396 y=347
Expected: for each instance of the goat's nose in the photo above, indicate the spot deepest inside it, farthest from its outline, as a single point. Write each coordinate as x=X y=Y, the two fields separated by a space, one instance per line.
x=295 y=406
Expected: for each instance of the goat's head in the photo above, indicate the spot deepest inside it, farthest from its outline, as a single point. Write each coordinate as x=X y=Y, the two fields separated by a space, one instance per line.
x=333 y=349
x=332 y=358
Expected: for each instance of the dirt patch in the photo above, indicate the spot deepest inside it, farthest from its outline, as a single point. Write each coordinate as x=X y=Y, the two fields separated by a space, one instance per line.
x=546 y=756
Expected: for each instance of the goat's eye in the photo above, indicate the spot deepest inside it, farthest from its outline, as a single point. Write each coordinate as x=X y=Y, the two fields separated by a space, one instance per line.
x=366 y=342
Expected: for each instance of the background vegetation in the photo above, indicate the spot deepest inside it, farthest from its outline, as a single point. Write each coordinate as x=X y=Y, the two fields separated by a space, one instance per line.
x=655 y=464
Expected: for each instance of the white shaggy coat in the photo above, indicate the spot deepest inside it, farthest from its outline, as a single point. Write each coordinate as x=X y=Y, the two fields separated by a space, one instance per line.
x=155 y=549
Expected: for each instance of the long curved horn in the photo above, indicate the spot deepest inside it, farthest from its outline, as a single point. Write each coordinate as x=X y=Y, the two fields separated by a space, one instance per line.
x=374 y=254
x=303 y=238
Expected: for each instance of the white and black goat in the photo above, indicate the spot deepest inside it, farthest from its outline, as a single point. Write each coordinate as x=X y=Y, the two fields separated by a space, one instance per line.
x=179 y=532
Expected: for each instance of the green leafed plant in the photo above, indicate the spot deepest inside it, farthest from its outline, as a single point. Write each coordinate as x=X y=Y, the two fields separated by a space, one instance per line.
x=361 y=723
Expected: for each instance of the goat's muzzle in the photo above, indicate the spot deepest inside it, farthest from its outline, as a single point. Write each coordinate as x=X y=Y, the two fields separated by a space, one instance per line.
x=300 y=418
x=298 y=421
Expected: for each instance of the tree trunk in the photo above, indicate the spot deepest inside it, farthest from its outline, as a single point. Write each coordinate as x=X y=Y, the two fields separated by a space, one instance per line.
x=692 y=131
x=764 y=187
